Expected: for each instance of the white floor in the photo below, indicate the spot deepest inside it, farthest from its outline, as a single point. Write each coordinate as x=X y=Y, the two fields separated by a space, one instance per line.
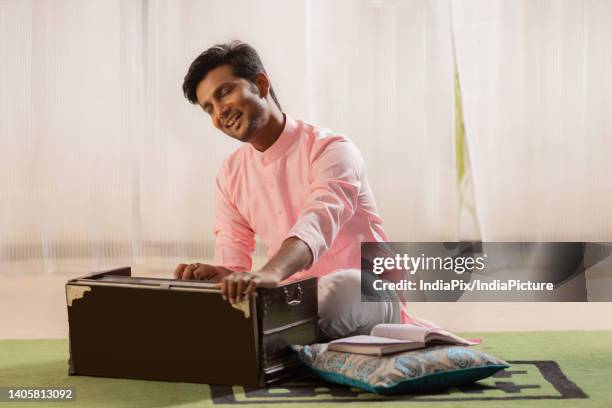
x=35 y=307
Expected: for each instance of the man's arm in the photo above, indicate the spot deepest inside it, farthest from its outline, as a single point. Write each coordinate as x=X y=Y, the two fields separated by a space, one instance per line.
x=336 y=170
x=293 y=256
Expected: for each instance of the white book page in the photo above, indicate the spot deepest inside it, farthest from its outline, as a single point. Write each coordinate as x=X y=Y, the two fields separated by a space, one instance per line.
x=370 y=340
x=400 y=332
x=448 y=336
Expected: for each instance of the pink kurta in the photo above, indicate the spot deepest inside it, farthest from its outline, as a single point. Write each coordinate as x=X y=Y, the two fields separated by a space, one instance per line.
x=310 y=184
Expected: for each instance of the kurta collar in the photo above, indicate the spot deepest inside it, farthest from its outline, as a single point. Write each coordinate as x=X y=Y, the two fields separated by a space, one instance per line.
x=282 y=145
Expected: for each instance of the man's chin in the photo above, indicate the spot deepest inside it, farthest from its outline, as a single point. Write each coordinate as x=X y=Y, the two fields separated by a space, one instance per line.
x=244 y=137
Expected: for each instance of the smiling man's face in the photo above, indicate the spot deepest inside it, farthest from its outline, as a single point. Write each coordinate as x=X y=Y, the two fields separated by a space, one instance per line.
x=234 y=104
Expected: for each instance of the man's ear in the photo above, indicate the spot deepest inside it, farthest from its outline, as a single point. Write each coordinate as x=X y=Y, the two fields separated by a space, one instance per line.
x=263 y=84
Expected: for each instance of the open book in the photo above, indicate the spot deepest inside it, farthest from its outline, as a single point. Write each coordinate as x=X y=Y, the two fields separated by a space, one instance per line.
x=393 y=338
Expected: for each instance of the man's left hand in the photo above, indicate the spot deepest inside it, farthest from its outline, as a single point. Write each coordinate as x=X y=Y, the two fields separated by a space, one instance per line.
x=241 y=285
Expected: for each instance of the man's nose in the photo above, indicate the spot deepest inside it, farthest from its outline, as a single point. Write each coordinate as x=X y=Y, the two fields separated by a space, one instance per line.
x=221 y=114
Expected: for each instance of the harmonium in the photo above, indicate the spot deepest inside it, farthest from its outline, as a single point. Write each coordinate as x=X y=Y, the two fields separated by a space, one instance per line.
x=182 y=330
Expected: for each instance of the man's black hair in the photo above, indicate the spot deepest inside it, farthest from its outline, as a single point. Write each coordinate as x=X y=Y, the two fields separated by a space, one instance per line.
x=243 y=59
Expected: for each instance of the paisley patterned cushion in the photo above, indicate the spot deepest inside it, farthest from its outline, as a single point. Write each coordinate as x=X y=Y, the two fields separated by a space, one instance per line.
x=417 y=370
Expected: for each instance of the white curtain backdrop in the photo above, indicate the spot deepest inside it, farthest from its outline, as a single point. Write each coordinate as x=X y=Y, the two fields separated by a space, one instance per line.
x=103 y=162
x=382 y=73
x=537 y=98
x=71 y=129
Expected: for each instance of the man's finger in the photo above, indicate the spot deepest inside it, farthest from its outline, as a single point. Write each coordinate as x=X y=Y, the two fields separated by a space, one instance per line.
x=178 y=272
x=251 y=288
x=198 y=272
x=231 y=287
x=224 y=284
x=241 y=286
x=203 y=271
x=188 y=271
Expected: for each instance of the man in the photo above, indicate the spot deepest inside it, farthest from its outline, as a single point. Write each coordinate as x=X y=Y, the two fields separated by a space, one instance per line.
x=302 y=189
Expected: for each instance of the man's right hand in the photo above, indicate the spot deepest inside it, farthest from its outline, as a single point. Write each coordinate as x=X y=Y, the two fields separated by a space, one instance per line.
x=201 y=271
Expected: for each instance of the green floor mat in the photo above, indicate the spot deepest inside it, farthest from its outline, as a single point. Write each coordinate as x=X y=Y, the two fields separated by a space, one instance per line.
x=549 y=369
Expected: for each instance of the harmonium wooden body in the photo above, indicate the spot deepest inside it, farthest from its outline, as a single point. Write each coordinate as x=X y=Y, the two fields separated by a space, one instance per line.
x=177 y=330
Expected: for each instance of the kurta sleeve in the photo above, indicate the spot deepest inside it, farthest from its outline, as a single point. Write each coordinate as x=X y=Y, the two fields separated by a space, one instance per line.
x=234 y=238
x=336 y=178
